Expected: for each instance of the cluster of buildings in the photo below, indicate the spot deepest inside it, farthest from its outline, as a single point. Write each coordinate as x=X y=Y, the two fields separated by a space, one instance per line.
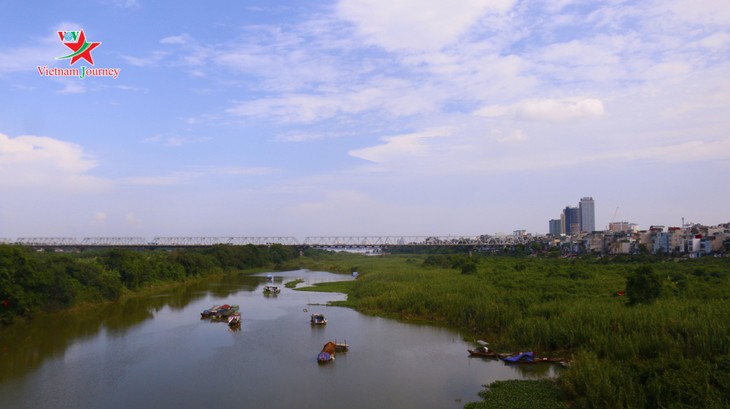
x=575 y=232
x=694 y=240
x=575 y=219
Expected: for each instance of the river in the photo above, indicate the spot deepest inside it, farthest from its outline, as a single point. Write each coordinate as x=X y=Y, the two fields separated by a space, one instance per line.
x=156 y=352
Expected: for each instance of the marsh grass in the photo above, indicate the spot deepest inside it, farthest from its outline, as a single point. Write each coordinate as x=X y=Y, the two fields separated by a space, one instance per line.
x=670 y=353
x=542 y=394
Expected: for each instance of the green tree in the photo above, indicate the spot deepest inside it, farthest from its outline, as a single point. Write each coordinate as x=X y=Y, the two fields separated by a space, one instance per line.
x=643 y=286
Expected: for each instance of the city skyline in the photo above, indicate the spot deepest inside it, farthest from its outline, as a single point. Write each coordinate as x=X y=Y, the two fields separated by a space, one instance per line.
x=360 y=117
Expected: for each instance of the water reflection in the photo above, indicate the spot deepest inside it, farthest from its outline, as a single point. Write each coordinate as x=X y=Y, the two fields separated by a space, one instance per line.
x=26 y=344
x=155 y=351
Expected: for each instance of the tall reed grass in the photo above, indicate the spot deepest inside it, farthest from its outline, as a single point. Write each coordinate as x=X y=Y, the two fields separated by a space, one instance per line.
x=672 y=353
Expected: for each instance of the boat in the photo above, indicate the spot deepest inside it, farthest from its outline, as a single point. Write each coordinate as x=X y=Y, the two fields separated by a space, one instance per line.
x=318 y=319
x=219 y=312
x=528 y=358
x=214 y=310
x=227 y=312
x=271 y=289
x=342 y=347
x=234 y=319
x=328 y=353
x=483 y=351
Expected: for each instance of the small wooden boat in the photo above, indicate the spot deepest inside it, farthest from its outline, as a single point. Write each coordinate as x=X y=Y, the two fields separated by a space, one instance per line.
x=271 y=289
x=328 y=353
x=483 y=351
x=318 y=319
x=480 y=352
x=528 y=358
x=234 y=319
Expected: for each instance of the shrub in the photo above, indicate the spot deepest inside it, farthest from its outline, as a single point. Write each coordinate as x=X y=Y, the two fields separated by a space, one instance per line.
x=643 y=286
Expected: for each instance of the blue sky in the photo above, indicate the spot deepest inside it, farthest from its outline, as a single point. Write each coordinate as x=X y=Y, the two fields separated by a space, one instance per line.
x=363 y=117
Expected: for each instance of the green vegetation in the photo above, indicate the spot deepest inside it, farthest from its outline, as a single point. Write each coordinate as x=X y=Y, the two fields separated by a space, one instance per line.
x=333 y=287
x=39 y=281
x=640 y=332
x=542 y=394
x=292 y=284
x=666 y=343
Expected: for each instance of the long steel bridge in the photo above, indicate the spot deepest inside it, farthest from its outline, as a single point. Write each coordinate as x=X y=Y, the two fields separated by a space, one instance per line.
x=311 y=241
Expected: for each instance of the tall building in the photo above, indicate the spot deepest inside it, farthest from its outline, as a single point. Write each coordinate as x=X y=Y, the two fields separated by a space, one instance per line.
x=587 y=214
x=555 y=229
x=572 y=220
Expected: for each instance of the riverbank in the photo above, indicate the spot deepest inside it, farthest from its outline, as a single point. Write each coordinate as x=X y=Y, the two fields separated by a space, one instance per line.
x=639 y=333
x=33 y=282
x=671 y=350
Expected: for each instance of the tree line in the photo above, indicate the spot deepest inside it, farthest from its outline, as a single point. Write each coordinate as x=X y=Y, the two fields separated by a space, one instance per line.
x=32 y=281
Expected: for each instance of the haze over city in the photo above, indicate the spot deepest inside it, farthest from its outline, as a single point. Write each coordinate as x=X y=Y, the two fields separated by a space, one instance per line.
x=362 y=117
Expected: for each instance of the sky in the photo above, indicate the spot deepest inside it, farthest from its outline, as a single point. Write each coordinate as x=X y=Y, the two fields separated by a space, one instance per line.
x=362 y=117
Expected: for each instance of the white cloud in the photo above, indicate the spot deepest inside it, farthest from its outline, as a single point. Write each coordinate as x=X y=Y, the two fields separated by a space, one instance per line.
x=73 y=87
x=559 y=109
x=515 y=136
x=28 y=161
x=195 y=176
x=388 y=97
x=152 y=59
x=716 y=41
x=43 y=51
x=174 y=140
x=178 y=39
x=300 y=136
x=418 y=25
x=705 y=12
x=401 y=146
x=549 y=109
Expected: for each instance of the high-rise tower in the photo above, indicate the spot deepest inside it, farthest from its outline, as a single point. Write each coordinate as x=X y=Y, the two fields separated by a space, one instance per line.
x=587 y=214
x=572 y=220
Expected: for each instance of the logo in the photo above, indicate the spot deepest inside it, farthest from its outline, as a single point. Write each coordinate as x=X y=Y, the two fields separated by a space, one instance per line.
x=76 y=41
x=81 y=50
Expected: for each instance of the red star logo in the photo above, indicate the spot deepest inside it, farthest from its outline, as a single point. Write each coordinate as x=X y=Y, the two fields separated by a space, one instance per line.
x=81 y=48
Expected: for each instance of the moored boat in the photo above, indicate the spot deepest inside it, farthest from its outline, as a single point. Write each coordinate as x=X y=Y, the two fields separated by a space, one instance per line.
x=234 y=319
x=212 y=311
x=271 y=289
x=318 y=319
x=528 y=358
x=227 y=312
x=483 y=351
x=219 y=312
x=328 y=352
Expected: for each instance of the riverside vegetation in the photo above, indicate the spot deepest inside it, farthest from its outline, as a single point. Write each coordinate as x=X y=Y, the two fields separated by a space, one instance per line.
x=32 y=282
x=640 y=332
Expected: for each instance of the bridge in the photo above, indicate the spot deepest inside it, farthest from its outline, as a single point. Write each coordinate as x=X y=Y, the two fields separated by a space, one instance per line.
x=311 y=241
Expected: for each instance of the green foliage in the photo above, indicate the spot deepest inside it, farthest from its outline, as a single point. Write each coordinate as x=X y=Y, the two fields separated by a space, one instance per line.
x=540 y=394
x=673 y=352
x=643 y=286
x=21 y=284
x=30 y=281
x=469 y=268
